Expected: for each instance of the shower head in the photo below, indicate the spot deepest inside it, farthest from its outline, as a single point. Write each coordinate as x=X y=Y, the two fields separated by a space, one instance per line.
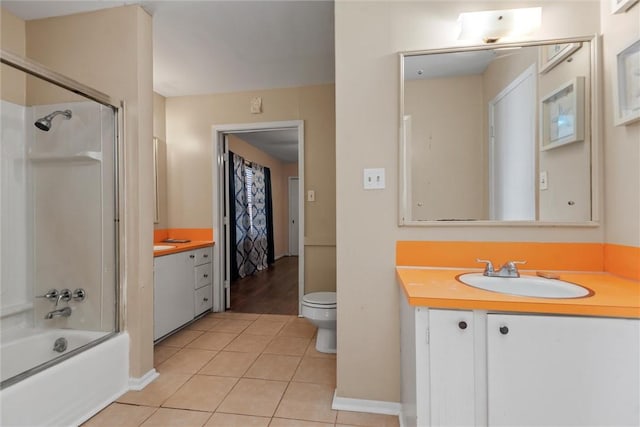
x=45 y=122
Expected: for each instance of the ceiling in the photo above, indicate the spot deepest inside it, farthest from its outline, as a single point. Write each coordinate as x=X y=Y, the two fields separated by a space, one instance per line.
x=281 y=144
x=210 y=46
x=205 y=47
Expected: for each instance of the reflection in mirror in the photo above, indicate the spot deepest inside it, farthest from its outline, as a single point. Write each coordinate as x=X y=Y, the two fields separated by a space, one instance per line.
x=159 y=182
x=497 y=133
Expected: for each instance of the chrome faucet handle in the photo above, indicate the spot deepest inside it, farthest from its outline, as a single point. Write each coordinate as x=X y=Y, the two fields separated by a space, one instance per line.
x=51 y=295
x=511 y=269
x=64 y=295
x=488 y=268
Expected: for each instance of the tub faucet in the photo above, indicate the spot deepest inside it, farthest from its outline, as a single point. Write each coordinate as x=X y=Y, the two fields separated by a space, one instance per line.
x=61 y=312
x=509 y=269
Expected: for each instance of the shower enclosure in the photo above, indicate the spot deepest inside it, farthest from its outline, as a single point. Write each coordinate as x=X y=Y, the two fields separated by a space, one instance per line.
x=58 y=219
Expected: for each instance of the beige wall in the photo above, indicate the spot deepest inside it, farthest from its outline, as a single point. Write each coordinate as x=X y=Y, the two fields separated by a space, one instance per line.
x=447 y=177
x=621 y=143
x=13 y=39
x=160 y=132
x=368 y=37
x=279 y=188
x=110 y=50
x=189 y=154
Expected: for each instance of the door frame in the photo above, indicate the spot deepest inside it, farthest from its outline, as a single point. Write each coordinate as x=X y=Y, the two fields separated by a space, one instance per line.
x=289 y=180
x=221 y=284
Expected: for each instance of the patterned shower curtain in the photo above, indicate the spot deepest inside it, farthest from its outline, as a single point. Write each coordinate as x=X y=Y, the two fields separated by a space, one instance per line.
x=252 y=228
x=258 y=232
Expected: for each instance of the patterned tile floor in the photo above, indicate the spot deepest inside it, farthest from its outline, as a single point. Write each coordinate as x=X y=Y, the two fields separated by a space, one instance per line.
x=239 y=369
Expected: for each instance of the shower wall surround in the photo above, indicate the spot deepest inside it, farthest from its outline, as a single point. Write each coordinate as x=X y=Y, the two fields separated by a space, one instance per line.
x=15 y=296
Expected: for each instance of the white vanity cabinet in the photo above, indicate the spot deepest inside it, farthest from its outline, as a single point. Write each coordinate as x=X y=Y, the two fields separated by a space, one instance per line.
x=182 y=289
x=477 y=368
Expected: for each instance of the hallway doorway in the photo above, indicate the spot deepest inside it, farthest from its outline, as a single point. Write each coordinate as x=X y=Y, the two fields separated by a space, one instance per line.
x=276 y=287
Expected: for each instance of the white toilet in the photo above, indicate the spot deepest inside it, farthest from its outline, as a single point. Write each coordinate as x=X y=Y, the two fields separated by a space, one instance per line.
x=320 y=309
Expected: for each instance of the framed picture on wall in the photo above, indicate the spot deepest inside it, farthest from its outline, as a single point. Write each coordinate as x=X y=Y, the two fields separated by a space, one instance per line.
x=562 y=115
x=627 y=91
x=553 y=54
x=621 y=6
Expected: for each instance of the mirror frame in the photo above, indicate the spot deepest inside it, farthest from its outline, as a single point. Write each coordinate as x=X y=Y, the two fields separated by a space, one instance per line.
x=595 y=120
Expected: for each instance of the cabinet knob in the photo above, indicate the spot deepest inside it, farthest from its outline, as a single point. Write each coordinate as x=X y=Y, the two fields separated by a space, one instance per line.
x=462 y=325
x=192 y=256
x=205 y=275
x=504 y=330
x=205 y=256
x=205 y=299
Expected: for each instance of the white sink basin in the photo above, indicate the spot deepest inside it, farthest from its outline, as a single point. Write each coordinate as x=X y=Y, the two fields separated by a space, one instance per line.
x=162 y=247
x=527 y=286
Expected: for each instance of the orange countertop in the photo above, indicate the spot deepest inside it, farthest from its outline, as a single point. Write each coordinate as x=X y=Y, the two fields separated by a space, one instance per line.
x=181 y=247
x=614 y=296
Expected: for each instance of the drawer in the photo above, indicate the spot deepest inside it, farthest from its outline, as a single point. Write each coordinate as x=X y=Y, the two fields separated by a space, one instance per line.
x=203 y=275
x=203 y=299
x=203 y=255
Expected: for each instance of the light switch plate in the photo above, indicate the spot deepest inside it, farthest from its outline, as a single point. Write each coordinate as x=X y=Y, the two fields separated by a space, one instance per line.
x=544 y=180
x=311 y=196
x=256 y=105
x=374 y=179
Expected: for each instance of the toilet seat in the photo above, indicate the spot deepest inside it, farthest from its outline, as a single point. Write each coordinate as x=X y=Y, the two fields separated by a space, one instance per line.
x=320 y=300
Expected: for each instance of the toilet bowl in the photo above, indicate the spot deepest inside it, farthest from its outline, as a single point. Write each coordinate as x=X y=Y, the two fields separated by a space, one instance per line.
x=320 y=309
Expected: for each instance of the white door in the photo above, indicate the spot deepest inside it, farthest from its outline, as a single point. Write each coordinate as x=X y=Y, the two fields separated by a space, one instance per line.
x=293 y=216
x=512 y=150
x=563 y=371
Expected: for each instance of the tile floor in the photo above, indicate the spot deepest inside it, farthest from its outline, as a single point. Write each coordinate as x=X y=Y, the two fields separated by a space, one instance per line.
x=239 y=369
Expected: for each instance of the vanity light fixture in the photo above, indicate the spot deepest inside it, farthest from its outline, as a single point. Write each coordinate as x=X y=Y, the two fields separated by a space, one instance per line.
x=492 y=25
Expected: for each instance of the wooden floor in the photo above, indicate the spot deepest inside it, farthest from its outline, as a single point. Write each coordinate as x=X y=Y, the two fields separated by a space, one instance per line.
x=272 y=291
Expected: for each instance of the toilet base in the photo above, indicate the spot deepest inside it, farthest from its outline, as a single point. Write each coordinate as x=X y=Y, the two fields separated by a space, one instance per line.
x=326 y=340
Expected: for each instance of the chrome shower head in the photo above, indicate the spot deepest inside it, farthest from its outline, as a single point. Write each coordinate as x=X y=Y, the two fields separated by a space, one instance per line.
x=45 y=122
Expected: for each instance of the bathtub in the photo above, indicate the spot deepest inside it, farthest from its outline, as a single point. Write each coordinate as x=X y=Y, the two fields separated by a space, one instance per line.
x=69 y=392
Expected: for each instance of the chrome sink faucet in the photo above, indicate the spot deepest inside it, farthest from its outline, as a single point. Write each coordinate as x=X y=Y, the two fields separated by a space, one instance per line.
x=509 y=269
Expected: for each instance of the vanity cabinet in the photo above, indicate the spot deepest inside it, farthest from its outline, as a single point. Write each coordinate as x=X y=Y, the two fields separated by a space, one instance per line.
x=182 y=289
x=477 y=368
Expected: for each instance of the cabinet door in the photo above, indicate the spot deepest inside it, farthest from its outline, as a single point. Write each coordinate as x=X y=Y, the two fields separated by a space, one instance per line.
x=203 y=299
x=203 y=255
x=203 y=275
x=173 y=292
x=559 y=371
x=451 y=368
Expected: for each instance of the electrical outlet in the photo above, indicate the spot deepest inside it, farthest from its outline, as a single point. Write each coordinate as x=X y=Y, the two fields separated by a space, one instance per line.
x=544 y=180
x=374 y=179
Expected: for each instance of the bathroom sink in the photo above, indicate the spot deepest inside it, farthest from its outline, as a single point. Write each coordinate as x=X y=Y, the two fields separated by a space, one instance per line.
x=162 y=247
x=527 y=286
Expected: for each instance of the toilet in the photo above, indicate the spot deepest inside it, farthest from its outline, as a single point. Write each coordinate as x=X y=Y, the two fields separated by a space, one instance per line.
x=320 y=309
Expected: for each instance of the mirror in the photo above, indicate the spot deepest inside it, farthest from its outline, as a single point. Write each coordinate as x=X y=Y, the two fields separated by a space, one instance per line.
x=498 y=133
x=159 y=183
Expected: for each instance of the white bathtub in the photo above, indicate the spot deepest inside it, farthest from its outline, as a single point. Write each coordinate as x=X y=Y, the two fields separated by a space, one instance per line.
x=69 y=392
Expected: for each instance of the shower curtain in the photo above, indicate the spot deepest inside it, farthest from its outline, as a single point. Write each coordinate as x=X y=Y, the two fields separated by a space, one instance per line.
x=251 y=228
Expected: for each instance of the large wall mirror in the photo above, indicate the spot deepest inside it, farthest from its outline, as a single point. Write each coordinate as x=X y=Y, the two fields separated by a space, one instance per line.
x=500 y=133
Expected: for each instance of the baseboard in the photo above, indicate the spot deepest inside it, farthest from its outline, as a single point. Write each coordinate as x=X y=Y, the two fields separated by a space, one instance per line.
x=363 y=405
x=139 y=383
x=93 y=411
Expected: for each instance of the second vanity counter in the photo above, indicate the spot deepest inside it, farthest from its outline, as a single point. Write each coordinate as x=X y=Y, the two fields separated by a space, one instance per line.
x=438 y=288
x=181 y=247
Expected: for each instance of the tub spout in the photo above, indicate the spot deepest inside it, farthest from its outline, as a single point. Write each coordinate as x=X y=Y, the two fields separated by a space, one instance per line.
x=61 y=312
